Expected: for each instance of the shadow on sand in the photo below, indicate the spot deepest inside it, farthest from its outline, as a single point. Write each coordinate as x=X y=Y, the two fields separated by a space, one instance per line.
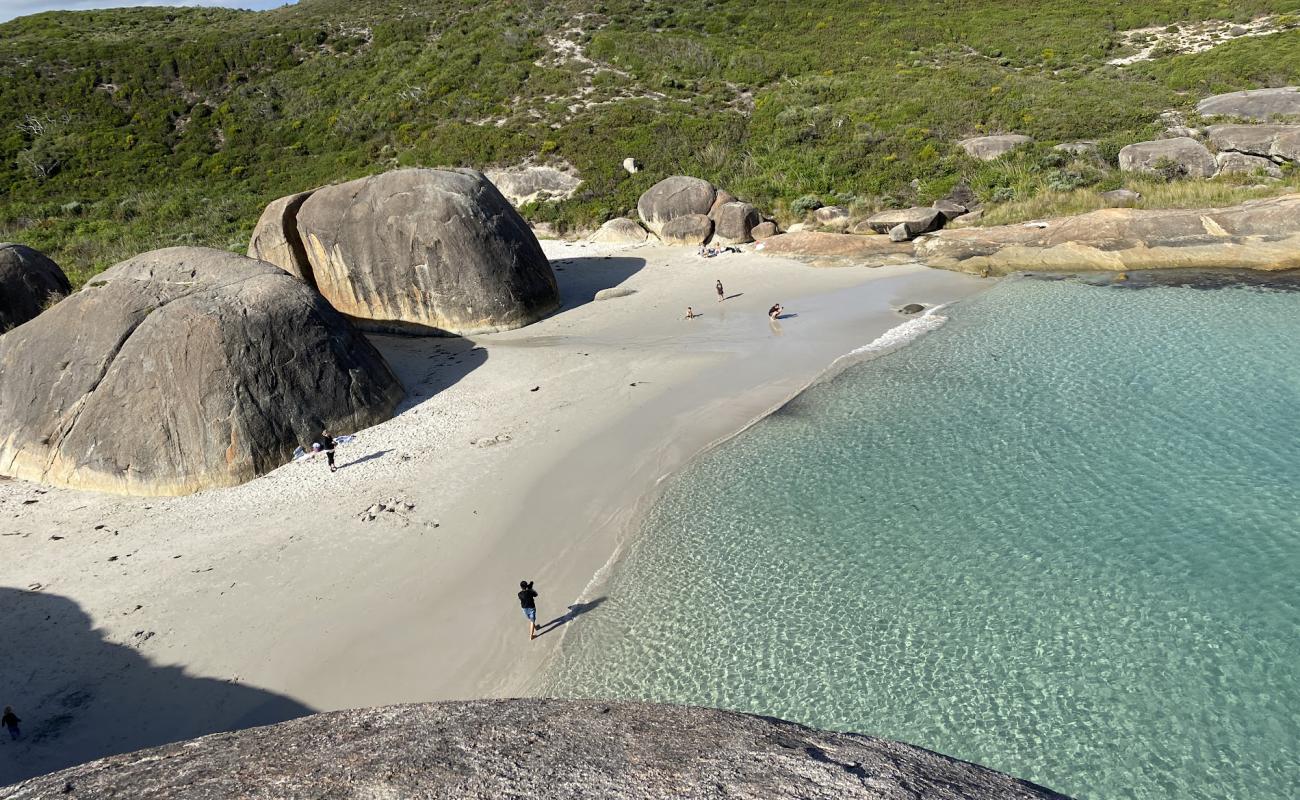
x=82 y=697
x=364 y=459
x=427 y=365
x=575 y=611
x=581 y=278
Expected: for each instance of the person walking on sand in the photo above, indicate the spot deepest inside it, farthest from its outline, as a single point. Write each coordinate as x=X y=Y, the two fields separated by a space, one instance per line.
x=528 y=601
x=328 y=444
x=690 y=313
x=10 y=720
x=722 y=295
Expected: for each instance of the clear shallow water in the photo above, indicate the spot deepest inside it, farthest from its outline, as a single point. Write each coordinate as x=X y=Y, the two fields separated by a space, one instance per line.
x=1059 y=536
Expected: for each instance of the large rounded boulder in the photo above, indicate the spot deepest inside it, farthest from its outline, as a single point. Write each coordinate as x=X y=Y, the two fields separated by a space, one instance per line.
x=180 y=370
x=1180 y=157
x=29 y=282
x=426 y=251
x=276 y=241
x=671 y=198
x=734 y=223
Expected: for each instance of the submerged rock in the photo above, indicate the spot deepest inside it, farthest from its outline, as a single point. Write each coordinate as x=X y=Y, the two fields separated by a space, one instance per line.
x=1260 y=235
x=29 y=283
x=180 y=370
x=536 y=749
x=426 y=251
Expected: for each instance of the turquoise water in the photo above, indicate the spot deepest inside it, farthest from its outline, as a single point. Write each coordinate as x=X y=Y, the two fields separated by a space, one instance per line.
x=1059 y=536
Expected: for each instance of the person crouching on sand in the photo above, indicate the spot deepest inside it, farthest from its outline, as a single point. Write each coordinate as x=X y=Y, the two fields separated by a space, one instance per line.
x=775 y=311
x=528 y=601
x=10 y=720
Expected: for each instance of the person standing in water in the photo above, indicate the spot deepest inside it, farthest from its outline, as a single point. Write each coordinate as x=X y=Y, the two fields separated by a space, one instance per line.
x=10 y=720
x=690 y=313
x=722 y=295
x=528 y=601
x=327 y=444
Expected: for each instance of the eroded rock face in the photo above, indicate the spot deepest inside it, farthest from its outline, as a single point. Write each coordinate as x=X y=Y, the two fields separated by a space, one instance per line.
x=1262 y=235
x=533 y=748
x=180 y=370
x=1189 y=157
x=534 y=184
x=987 y=148
x=620 y=230
x=1257 y=104
x=276 y=241
x=29 y=281
x=674 y=197
x=426 y=251
x=734 y=223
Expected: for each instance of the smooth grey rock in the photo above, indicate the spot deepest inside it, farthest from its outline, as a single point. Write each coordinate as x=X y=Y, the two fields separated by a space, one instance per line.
x=1121 y=198
x=1181 y=132
x=1256 y=104
x=1231 y=163
x=832 y=217
x=179 y=370
x=918 y=220
x=764 y=230
x=949 y=209
x=534 y=184
x=631 y=166
x=719 y=200
x=29 y=282
x=688 y=230
x=1081 y=148
x=911 y=308
x=734 y=223
x=1255 y=140
x=616 y=291
x=988 y=148
x=276 y=241
x=426 y=251
x=1190 y=157
x=674 y=197
x=900 y=233
x=1286 y=146
x=620 y=230
x=533 y=748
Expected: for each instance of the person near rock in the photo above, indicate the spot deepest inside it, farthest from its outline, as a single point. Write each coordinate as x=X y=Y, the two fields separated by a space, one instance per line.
x=722 y=295
x=328 y=444
x=775 y=311
x=690 y=313
x=10 y=720
x=528 y=602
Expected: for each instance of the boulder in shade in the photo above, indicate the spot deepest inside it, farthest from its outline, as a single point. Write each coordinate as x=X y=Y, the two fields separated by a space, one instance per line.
x=534 y=184
x=29 y=283
x=764 y=230
x=918 y=220
x=734 y=223
x=179 y=370
x=1256 y=104
x=949 y=209
x=276 y=241
x=1231 y=163
x=620 y=230
x=988 y=148
x=426 y=251
x=1186 y=156
x=674 y=197
x=690 y=230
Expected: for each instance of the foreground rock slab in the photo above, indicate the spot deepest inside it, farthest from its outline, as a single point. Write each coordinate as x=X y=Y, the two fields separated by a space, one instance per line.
x=29 y=282
x=179 y=370
x=1259 y=235
x=532 y=748
x=426 y=251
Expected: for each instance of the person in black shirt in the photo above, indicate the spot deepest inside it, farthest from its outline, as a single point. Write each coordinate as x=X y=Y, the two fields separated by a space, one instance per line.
x=721 y=294
x=327 y=444
x=528 y=601
x=10 y=720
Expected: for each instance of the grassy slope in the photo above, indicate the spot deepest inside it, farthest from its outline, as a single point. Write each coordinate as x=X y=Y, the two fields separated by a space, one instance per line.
x=133 y=129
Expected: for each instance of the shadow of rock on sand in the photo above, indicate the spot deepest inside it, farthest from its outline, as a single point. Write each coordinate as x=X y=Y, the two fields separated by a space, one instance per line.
x=427 y=365
x=580 y=278
x=82 y=697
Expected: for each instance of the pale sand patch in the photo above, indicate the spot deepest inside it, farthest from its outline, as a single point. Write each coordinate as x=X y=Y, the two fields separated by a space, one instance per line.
x=245 y=605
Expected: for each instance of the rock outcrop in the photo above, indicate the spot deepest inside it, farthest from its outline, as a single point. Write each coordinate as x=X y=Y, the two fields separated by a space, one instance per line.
x=426 y=251
x=1120 y=198
x=1184 y=156
x=1256 y=104
x=837 y=249
x=674 y=197
x=688 y=230
x=1260 y=235
x=1233 y=163
x=1080 y=148
x=180 y=370
x=734 y=223
x=620 y=230
x=276 y=241
x=832 y=217
x=764 y=230
x=534 y=184
x=915 y=221
x=987 y=148
x=1277 y=142
x=537 y=749
x=29 y=282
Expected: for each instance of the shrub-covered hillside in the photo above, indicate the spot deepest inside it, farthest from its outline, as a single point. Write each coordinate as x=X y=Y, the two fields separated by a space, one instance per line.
x=131 y=129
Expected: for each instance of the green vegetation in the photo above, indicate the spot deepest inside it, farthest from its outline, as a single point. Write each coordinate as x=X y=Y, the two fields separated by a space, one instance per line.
x=139 y=128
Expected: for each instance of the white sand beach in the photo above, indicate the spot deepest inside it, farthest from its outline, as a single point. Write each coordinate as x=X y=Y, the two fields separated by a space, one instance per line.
x=127 y=622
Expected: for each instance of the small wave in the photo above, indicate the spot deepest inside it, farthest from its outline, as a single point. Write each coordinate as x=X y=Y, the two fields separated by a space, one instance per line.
x=900 y=335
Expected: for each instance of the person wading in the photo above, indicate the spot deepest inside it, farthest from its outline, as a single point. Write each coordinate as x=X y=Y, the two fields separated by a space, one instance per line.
x=528 y=601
